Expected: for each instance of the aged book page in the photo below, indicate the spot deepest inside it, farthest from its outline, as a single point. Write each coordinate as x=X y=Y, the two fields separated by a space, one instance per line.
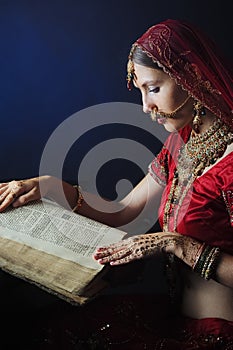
x=52 y=247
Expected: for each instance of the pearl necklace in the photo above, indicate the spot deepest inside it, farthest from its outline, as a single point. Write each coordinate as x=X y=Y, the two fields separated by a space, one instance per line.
x=198 y=153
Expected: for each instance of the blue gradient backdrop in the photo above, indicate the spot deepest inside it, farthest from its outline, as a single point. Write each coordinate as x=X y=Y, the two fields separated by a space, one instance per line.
x=58 y=57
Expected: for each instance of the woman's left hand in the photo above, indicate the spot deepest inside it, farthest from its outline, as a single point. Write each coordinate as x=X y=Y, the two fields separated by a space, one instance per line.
x=137 y=247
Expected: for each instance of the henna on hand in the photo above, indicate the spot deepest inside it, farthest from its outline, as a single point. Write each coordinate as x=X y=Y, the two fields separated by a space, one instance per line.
x=142 y=246
x=190 y=250
x=135 y=248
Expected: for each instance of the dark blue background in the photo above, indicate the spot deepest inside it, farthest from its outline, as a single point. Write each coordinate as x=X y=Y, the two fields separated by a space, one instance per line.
x=58 y=57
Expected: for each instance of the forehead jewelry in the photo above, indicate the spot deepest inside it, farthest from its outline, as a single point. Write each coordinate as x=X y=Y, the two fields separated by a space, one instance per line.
x=130 y=74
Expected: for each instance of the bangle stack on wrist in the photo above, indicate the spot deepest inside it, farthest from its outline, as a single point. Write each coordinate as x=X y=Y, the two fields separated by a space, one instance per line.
x=207 y=262
x=79 y=200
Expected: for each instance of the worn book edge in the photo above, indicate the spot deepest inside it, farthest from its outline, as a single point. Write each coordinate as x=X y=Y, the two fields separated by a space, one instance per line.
x=55 y=275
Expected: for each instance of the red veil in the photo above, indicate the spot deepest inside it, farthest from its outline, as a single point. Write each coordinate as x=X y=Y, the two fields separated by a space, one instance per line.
x=193 y=60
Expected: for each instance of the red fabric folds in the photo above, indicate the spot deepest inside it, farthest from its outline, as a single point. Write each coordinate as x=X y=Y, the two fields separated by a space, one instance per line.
x=138 y=322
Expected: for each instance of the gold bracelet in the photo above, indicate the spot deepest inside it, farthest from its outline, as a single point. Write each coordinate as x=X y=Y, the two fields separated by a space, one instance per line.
x=79 y=200
x=210 y=269
x=207 y=262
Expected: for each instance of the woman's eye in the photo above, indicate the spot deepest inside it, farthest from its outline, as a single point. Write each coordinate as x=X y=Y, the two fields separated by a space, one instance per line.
x=154 y=89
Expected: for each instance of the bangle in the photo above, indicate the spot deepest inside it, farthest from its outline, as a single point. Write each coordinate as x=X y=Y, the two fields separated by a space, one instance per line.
x=206 y=264
x=79 y=200
x=212 y=263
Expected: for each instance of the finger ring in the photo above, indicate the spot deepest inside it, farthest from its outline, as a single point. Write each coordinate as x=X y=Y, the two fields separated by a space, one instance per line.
x=13 y=194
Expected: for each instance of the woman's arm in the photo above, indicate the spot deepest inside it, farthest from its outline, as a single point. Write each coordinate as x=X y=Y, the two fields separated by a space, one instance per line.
x=224 y=271
x=209 y=262
x=195 y=254
x=139 y=207
x=141 y=203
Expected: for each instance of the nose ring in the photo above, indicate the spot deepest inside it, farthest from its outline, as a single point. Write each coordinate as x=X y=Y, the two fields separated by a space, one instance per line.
x=154 y=113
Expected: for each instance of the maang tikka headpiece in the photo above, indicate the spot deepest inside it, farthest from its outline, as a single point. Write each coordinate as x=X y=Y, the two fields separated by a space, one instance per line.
x=130 y=70
x=130 y=74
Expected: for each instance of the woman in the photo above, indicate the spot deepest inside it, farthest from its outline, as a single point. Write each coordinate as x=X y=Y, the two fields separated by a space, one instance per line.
x=186 y=85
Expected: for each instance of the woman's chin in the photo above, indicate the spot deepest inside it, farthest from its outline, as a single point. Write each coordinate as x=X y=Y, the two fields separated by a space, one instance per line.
x=169 y=127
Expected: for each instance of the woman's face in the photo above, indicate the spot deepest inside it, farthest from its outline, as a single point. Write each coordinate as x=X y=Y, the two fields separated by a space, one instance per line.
x=161 y=93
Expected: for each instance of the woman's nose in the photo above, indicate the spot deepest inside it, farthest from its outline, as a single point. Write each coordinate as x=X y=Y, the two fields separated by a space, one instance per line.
x=148 y=106
x=145 y=108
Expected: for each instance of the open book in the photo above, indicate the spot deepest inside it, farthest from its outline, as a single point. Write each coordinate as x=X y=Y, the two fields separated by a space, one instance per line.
x=52 y=247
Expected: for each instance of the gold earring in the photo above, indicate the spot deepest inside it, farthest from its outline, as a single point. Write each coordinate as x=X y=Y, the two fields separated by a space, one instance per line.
x=198 y=113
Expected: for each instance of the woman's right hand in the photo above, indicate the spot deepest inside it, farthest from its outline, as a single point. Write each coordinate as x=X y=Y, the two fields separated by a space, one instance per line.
x=18 y=193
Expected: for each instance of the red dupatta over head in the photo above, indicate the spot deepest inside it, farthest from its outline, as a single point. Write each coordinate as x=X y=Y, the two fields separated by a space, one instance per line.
x=195 y=63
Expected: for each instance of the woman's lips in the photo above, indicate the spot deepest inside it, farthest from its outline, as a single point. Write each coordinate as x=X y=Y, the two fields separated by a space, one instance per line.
x=161 y=120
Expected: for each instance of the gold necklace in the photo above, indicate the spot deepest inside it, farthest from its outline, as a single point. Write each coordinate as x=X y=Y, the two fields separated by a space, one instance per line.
x=198 y=153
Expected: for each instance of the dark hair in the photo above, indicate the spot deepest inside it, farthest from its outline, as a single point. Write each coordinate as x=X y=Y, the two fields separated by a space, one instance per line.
x=140 y=57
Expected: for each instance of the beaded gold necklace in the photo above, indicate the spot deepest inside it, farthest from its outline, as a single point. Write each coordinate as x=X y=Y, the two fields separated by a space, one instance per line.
x=198 y=153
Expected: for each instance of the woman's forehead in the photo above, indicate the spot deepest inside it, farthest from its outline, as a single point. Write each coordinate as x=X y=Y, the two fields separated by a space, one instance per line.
x=144 y=75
